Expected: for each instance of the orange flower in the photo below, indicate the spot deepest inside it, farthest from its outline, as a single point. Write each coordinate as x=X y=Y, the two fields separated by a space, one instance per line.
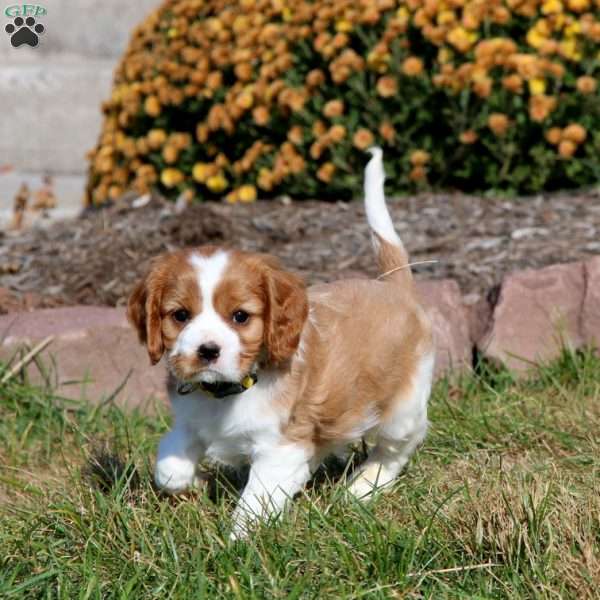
x=575 y=133
x=261 y=115
x=295 y=135
x=152 y=106
x=245 y=100
x=501 y=15
x=567 y=148
x=363 y=139
x=181 y=141
x=483 y=87
x=265 y=180
x=587 y=84
x=468 y=137
x=541 y=106
x=333 y=108
x=294 y=99
x=170 y=154
x=202 y=132
x=339 y=41
x=387 y=131
x=243 y=71
x=336 y=133
x=214 y=80
x=221 y=160
x=387 y=86
x=418 y=158
x=326 y=171
x=579 y=5
x=316 y=149
x=232 y=197
x=553 y=135
x=418 y=173
x=498 y=123
x=315 y=78
x=412 y=66
x=319 y=128
x=513 y=83
x=114 y=192
x=156 y=138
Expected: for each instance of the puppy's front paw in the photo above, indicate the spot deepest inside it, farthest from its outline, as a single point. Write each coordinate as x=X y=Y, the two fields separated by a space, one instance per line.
x=370 y=479
x=174 y=475
x=361 y=488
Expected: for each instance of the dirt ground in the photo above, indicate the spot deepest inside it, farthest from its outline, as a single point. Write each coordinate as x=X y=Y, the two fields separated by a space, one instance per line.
x=96 y=259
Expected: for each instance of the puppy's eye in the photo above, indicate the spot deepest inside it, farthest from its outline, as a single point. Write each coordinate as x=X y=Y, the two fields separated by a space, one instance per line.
x=181 y=315
x=240 y=316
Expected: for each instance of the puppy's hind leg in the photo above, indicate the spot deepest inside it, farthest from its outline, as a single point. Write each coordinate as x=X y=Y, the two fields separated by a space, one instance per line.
x=384 y=463
x=397 y=439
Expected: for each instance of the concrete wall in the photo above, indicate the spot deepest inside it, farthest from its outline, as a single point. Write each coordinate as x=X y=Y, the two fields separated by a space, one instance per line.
x=50 y=95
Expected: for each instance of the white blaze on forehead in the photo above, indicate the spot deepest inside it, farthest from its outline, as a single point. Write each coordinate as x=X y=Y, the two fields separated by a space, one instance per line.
x=209 y=325
x=209 y=270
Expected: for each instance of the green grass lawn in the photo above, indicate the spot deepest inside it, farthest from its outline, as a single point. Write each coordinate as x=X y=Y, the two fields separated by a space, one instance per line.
x=502 y=501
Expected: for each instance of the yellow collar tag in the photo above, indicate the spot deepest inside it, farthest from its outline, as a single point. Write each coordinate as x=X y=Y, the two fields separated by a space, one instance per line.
x=248 y=381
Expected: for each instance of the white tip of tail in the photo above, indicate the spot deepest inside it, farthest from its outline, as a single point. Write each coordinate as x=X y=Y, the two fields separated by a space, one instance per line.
x=377 y=212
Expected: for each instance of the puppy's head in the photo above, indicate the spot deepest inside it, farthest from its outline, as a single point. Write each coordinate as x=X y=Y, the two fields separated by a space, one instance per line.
x=216 y=313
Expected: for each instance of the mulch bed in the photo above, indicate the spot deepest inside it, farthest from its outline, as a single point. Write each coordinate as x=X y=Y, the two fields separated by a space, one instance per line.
x=96 y=258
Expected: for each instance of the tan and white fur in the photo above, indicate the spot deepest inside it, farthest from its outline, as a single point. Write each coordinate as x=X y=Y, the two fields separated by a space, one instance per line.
x=335 y=363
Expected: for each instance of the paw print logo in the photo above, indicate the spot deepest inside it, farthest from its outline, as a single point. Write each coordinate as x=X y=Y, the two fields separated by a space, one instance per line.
x=24 y=31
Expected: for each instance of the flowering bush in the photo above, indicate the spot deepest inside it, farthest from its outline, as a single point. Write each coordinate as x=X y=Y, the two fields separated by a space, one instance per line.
x=258 y=97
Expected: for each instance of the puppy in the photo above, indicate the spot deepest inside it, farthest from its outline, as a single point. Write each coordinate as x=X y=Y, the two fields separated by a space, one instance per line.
x=265 y=371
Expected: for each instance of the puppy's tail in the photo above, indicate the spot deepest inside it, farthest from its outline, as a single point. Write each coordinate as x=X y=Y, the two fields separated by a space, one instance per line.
x=391 y=254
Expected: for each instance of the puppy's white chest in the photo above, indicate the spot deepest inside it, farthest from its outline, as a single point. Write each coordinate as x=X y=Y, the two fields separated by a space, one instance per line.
x=231 y=429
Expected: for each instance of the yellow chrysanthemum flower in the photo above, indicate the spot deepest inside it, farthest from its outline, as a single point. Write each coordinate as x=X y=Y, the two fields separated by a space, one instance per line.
x=537 y=86
x=171 y=177
x=403 y=16
x=535 y=39
x=418 y=158
x=216 y=183
x=247 y=193
x=344 y=26
x=569 y=48
x=550 y=7
x=461 y=38
x=579 y=5
x=202 y=171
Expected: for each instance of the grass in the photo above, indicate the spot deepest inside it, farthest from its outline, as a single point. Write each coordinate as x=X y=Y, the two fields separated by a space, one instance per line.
x=500 y=502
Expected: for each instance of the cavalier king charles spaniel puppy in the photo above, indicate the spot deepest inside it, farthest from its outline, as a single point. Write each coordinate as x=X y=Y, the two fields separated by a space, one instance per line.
x=265 y=371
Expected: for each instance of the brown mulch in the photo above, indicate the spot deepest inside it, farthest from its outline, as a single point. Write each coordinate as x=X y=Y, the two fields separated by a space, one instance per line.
x=95 y=259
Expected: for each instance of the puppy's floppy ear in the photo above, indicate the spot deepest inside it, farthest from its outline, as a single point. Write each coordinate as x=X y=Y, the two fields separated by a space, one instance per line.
x=143 y=312
x=287 y=309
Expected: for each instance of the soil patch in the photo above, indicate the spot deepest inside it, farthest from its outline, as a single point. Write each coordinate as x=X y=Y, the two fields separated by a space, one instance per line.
x=96 y=258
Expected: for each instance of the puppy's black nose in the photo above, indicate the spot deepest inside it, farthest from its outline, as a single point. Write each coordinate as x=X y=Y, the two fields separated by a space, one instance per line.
x=209 y=352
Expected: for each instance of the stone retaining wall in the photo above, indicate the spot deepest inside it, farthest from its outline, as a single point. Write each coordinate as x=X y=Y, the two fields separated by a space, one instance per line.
x=96 y=352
